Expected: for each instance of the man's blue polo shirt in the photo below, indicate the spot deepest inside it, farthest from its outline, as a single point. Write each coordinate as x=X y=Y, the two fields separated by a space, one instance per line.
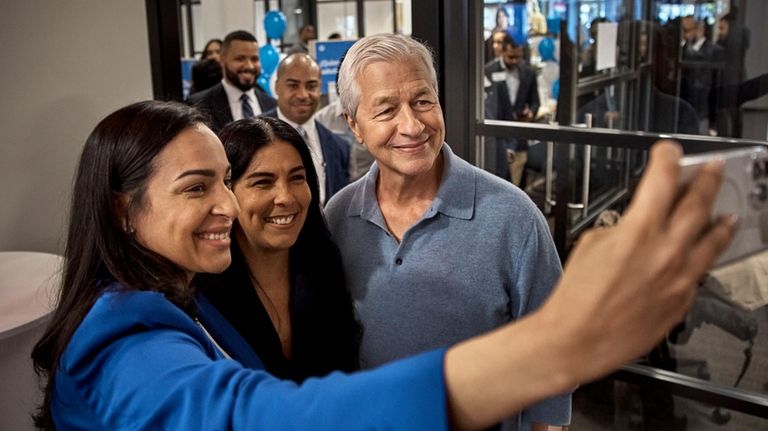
x=479 y=257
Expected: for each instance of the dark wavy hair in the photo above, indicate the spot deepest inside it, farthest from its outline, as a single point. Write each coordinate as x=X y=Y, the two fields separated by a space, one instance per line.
x=117 y=161
x=207 y=45
x=314 y=255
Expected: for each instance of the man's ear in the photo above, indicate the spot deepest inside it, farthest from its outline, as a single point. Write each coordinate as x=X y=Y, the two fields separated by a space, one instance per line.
x=353 y=126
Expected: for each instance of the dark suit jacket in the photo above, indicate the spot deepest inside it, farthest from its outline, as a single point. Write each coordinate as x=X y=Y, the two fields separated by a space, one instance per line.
x=498 y=107
x=497 y=99
x=698 y=76
x=527 y=92
x=214 y=103
x=335 y=156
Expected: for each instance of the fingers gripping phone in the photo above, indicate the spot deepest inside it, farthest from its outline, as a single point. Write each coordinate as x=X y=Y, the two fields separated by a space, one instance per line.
x=744 y=192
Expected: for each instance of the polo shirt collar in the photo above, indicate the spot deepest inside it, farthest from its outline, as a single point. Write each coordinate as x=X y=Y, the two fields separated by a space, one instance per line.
x=455 y=195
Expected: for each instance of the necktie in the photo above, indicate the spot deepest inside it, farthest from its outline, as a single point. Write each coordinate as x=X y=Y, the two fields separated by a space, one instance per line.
x=247 y=110
x=303 y=133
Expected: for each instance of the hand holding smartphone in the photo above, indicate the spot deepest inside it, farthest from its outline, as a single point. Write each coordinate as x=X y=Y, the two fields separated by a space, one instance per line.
x=744 y=192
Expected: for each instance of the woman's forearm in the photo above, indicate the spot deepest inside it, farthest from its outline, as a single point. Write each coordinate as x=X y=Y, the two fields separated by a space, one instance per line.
x=622 y=289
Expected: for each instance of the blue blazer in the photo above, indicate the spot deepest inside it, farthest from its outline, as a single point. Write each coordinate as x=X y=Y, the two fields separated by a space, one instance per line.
x=137 y=361
x=335 y=155
x=215 y=104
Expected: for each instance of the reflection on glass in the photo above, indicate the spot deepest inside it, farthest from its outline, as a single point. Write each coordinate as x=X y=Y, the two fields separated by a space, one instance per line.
x=666 y=67
x=603 y=107
x=616 y=405
x=525 y=22
x=521 y=74
x=604 y=37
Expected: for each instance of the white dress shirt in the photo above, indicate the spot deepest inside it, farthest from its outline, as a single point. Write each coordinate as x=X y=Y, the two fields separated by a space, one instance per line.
x=313 y=142
x=236 y=105
x=513 y=82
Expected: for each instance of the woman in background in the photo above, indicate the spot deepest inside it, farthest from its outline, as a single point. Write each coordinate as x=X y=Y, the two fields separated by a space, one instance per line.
x=212 y=50
x=207 y=72
x=285 y=291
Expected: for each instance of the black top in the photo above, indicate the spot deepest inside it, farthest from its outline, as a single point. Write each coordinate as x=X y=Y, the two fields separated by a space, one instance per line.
x=324 y=331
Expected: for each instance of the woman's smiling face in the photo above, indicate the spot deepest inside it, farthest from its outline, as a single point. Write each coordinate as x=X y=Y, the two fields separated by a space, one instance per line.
x=274 y=196
x=188 y=208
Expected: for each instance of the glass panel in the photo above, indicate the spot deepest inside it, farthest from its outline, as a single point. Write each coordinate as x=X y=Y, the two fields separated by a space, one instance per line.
x=669 y=69
x=615 y=405
x=603 y=108
x=607 y=174
x=718 y=340
x=339 y=17
x=603 y=39
x=379 y=17
x=677 y=70
x=403 y=13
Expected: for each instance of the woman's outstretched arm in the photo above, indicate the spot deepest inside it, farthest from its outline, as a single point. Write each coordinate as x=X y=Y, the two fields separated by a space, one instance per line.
x=622 y=289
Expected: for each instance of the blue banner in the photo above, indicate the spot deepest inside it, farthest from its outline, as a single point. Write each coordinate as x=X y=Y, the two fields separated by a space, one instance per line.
x=186 y=75
x=327 y=54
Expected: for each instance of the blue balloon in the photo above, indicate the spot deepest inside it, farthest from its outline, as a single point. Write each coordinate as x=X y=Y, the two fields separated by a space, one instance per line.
x=547 y=49
x=263 y=81
x=269 y=59
x=274 y=24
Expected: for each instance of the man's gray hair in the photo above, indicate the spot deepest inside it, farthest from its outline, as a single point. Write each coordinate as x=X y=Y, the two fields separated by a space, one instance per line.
x=384 y=47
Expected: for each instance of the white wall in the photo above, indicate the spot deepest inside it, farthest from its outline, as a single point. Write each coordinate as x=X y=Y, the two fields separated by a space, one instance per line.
x=217 y=18
x=65 y=66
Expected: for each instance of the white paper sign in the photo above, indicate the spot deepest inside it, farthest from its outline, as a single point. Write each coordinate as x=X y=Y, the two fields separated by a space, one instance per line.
x=607 y=35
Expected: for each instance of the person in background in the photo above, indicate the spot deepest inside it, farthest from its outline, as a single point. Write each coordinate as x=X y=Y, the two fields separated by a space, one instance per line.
x=207 y=71
x=205 y=74
x=298 y=95
x=734 y=39
x=523 y=92
x=698 y=72
x=493 y=43
x=306 y=33
x=284 y=292
x=435 y=250
x=212 y=50
x=237 y=95
x=151 y=206
x=496 y=41
x=332 y=117
x=588 y=51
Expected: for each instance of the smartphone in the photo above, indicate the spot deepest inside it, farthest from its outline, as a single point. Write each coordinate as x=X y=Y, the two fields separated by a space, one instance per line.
x=744 y=192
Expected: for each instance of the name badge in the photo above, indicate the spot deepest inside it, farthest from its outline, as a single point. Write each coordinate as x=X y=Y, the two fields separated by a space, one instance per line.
x=499 y=76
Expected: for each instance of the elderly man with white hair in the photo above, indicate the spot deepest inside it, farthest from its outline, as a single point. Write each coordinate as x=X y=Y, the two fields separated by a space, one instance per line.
x=435 y=250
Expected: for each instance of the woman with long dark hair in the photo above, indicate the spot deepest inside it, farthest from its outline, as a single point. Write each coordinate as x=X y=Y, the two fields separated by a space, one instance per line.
x=152 y=206
x=285 y=291
x=212 y=50
x=207 y=71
